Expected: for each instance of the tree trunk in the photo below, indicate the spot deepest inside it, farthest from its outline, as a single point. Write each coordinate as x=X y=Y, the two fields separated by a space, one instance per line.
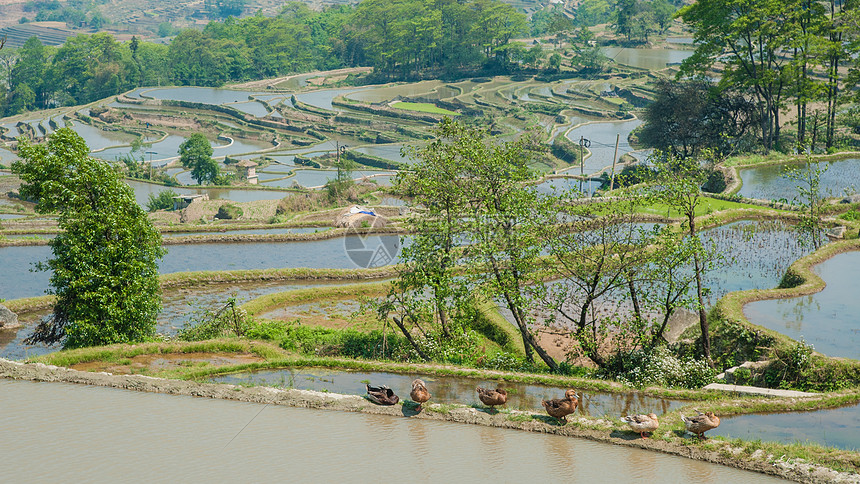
x=408 y=336
x=703 y=316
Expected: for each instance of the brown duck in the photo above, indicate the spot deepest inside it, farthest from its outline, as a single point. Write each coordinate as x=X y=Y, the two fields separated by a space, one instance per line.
x=381 y=395
x=491 y=398
x=642 y=423
x=560 y=408
x=701 y=423
x=419 y=393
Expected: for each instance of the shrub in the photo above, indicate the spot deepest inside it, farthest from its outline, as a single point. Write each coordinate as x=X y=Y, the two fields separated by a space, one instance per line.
x=851 y=215
x=228 y=212
x=162 y=201
x=505 y=361
x=662 y=368
x=229 y=320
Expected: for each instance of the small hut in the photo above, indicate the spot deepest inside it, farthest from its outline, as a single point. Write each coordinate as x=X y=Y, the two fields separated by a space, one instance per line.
x=183 y=201
x=247 y=170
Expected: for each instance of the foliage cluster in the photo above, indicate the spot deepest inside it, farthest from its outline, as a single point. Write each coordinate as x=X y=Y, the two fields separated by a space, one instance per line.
x=228 y=211
x=660 y=367
x=104 y=265
x=162 y=201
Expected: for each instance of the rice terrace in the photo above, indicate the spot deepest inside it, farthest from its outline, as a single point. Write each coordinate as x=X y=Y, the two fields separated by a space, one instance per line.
x=546 y=240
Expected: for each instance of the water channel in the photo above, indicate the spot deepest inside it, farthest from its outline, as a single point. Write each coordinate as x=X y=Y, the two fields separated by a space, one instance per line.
x=63 y=432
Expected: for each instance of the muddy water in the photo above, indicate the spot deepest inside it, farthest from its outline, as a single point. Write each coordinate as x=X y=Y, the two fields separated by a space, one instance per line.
x=174 y=439
x=143 y=190
x=452 y=390
x=828 y=319
x=205 y=95
x=838 y=427
x=651 y=59
x=770 y=182
x=338 y=253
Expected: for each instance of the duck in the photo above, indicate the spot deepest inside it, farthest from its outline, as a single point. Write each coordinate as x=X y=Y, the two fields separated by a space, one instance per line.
x=642 y=423
x=419 y=393
x=701 y=423
x=491 y=398
x=381 y=395
x=560 y=408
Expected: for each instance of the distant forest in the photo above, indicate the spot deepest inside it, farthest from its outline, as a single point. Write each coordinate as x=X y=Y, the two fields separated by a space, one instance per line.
x=400 y=39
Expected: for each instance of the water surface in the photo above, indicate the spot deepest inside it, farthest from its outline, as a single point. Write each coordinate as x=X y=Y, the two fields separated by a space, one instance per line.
x=339 y=253
x=770 y=182
x=116 y=434
x=838 y=427
x=829 y=320
x=452 y=390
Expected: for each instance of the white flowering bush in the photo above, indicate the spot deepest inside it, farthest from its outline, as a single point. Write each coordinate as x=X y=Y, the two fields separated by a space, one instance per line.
x=504 y=361
x=462 y=347
x=662 y=368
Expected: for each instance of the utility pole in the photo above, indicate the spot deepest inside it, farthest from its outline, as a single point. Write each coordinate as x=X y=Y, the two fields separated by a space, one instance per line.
x=582 y=143
x=614 y=158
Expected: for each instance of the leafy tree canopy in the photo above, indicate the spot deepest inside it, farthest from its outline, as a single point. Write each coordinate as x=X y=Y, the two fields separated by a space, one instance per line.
x=104 y=265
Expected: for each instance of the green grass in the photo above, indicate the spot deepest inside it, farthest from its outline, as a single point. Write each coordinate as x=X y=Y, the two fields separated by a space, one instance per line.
x=424 y=108
x=707 y=206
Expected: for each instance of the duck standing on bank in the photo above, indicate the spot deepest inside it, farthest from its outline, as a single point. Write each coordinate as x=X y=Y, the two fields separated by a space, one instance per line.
x=560 y=408
x=419 y=393
x=381 y=395
x=642 y=423
x=701 y=423
x=491 y=398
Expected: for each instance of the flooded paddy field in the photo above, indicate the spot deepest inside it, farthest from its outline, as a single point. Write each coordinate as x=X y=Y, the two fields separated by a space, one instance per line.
x=142 y=191
x=338 y=253
x=770 y=182
x=837 y=427
x=828 y=319
x=178 y=433
x=180 y=307
x=757 y=255
x=452 y=390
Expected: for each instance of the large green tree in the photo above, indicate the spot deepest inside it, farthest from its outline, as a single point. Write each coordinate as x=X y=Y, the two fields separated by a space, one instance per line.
x=196 y=153
x=748 y=38
x=104 y=265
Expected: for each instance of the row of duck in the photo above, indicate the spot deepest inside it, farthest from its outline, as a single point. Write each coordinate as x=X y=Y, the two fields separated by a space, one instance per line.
x=558 y=408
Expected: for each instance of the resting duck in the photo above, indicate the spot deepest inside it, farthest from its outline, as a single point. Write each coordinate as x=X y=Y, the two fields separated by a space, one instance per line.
x=701 y=423
x=419 y=393
x=560 y=408
x=381 y=395
x=491 y=398
x=642 y=423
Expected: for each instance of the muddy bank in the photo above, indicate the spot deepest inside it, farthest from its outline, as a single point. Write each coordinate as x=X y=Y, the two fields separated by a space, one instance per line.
x=592 y=429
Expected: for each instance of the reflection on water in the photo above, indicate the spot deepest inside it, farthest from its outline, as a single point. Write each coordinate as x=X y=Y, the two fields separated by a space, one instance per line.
x=651 y=59
x=116 y=434
x=142 y=191
x=838 y=427
x=602 y=136
x=770 y=182
x=453 y=390
x=339 y=253
x=205 y=95
x=828 y=319
x=759 y=253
